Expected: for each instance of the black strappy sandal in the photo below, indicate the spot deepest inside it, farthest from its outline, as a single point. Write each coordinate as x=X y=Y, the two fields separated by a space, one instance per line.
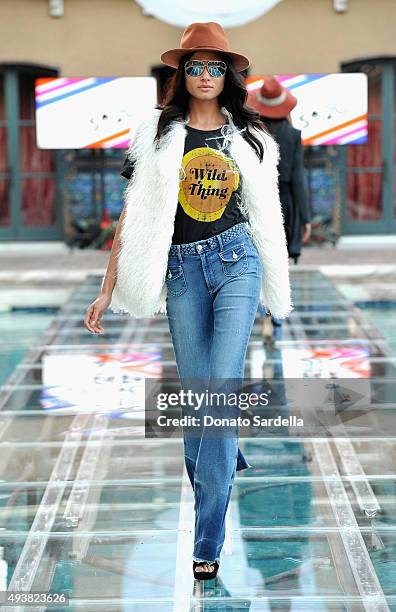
x=205 y=575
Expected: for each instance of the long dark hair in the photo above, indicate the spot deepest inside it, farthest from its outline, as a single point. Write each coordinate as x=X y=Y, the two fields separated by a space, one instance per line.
x=175 y=105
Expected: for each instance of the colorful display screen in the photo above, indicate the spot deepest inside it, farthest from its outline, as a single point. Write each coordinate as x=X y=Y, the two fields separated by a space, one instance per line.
x=90 y=112
x=100 y=112
x=331 y=108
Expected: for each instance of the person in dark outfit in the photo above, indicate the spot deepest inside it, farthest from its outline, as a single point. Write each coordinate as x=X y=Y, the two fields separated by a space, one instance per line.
x=274 y=103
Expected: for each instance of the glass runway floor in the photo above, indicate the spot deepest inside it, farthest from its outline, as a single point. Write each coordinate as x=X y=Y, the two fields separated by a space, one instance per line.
x=92 y=509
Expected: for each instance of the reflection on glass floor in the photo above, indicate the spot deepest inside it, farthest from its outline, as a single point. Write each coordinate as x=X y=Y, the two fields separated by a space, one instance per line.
x=91 y=508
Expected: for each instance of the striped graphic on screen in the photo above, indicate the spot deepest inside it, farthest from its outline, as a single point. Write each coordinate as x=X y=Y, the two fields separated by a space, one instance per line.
x=52 y=91
x=353 y=130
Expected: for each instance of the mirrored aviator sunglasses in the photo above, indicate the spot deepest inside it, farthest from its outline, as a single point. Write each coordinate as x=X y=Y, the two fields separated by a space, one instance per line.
x=216 y=68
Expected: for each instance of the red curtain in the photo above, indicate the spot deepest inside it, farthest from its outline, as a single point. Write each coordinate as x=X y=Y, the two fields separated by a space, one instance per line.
x=364 y=189
x=38 y=193
x=4 y=200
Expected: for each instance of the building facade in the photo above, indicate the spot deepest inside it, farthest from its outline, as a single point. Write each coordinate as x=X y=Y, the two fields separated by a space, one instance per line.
x=54 y=195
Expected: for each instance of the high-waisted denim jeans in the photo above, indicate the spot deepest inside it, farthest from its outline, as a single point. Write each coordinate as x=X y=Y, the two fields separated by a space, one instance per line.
x=212 y=299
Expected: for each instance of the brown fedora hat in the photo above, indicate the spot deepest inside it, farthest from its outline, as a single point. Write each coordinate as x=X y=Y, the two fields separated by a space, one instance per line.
x=272 y=99
x=209 y=36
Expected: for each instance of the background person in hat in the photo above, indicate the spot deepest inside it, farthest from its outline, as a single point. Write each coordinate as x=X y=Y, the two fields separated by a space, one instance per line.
x=202 y=219
x=275 y=103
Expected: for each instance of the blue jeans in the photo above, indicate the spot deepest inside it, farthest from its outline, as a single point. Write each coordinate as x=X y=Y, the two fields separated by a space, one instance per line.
x=212 y=299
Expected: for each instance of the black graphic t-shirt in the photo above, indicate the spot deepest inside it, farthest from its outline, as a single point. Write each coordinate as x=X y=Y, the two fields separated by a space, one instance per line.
x=210 y=185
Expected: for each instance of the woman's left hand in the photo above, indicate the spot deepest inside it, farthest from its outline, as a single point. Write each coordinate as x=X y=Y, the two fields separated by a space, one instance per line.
x=306 y=232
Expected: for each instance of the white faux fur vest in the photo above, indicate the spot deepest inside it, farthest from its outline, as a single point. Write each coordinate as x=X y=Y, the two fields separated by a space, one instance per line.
x=151 y=199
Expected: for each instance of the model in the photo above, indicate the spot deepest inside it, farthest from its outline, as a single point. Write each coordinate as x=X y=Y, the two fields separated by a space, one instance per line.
x=275 y=102
x=201 y=239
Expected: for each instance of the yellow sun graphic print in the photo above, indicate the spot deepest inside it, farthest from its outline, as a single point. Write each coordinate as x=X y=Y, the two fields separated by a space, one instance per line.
x=207 y=182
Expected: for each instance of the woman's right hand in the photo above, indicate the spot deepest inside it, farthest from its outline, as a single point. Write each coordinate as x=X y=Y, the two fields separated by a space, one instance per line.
x=95 y=312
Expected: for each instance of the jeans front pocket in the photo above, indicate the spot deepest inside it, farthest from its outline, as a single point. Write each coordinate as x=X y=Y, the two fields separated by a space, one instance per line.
x=234 y=260
x=175 y=280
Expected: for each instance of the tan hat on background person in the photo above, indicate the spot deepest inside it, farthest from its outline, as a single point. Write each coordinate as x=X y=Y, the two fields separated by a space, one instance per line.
x=209 y=36
x=272 y=99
